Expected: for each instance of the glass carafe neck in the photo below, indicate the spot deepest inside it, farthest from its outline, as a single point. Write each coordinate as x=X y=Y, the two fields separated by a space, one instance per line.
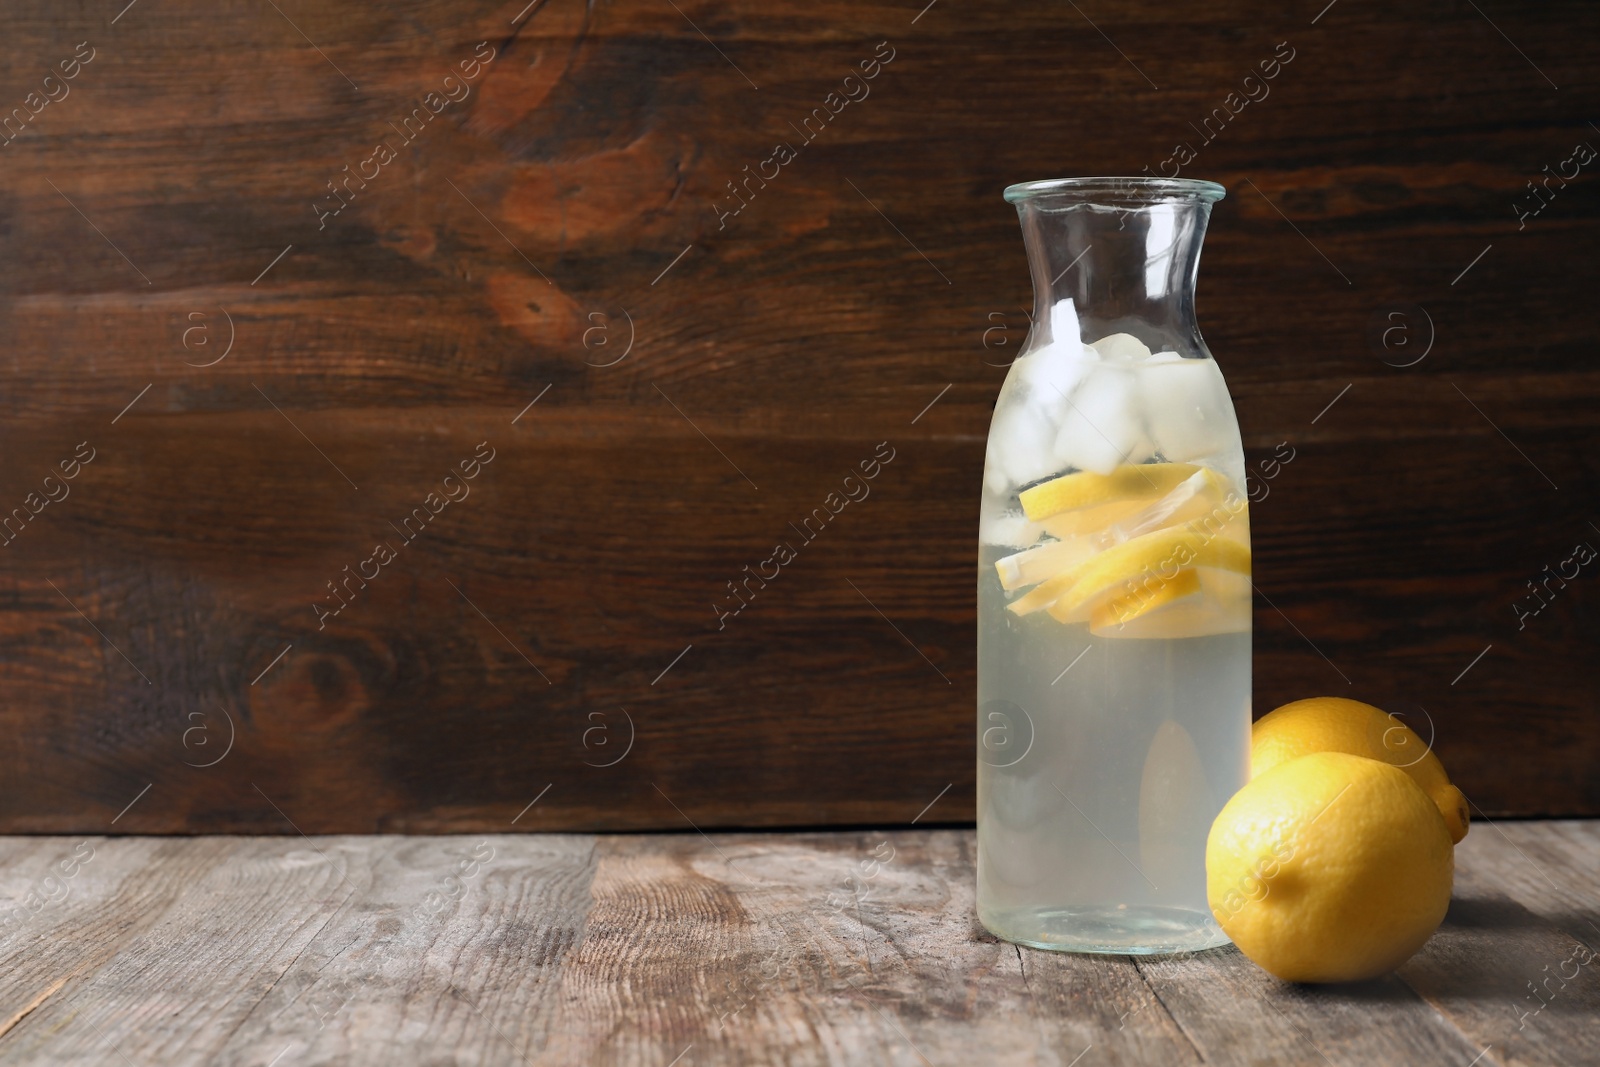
x=1125 y=251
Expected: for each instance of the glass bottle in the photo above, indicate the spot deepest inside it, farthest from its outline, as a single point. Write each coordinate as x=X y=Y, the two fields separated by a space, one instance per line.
x=1114 y=588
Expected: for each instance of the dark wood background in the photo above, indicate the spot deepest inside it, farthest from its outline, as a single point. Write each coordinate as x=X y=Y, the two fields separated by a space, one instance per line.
x=566 y=208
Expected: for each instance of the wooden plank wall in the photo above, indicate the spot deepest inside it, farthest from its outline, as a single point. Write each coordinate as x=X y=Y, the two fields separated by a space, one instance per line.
x=254 y=376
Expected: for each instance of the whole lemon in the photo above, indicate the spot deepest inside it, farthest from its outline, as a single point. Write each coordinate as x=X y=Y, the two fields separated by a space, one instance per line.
x=1329 y=868
x=1334 y=724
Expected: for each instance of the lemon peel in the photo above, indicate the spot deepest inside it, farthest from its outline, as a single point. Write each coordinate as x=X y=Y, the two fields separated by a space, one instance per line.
x=1336 y=724
x=1130 y=481
x=1329 y=868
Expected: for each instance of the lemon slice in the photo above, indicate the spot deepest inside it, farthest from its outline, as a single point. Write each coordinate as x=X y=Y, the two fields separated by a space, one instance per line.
x=1122 y=608
x=1222 y=607
x=1109 y=524
x=1089 y=530
x=1041 y=562
x=1086 y=488
x=1046 y=593
x=1202 y=493
x=1108 y=615
x=1173 y=786
x=1154 y=557
x=1093 y=519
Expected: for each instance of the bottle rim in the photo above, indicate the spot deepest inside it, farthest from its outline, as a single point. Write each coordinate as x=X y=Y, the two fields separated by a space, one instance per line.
x=1116 y=190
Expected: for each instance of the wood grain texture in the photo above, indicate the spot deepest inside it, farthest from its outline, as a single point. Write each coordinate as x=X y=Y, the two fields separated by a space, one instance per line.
x=1524 y=897
x=567 y=211
x=795 y=949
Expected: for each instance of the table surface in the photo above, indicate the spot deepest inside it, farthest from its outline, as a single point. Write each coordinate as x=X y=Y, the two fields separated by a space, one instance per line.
x=687 y=949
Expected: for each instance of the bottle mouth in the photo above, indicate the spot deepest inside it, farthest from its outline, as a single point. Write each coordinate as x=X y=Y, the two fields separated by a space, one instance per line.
x=1116 y=190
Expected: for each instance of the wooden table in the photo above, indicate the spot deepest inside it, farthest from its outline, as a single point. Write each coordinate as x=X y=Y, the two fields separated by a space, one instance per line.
x=729 y=949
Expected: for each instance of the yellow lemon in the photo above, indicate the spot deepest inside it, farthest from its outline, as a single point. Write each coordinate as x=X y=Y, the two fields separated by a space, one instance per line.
x=1040 y=562
x=1140 y=567
x=1329 y=868
x=1131 y=481
x=1222 y=606
x=1149 y=560
x=1153 y=500
x=1334 y=724
x=1093 y=519
x=1118 y=610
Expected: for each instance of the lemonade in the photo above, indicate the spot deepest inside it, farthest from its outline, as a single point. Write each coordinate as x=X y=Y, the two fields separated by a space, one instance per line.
x=1114 y=600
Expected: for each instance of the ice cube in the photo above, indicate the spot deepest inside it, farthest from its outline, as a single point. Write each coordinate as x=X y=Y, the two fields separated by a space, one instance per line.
x=1052 y=372
x=1064 y=323
x=1055 y=367
x=1010 y=529
x=995 y=479
x=1021 y=439
x=1186 y=402
x=1144 y=447
x=1103 y=425
x=1121 y=346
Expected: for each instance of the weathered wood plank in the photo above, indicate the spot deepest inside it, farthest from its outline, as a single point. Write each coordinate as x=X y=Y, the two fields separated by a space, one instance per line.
x=454 y=939
x=1550 y=868
x=1234 y=1012
x=169 y=959
x=1522 y=991
x=828 y=949
x=340 y=950
x=1515 y=965
x=112 y=892
x=802 y=949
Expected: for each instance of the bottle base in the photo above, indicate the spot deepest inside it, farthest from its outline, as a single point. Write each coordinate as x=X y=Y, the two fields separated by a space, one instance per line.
x=1122 y=930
